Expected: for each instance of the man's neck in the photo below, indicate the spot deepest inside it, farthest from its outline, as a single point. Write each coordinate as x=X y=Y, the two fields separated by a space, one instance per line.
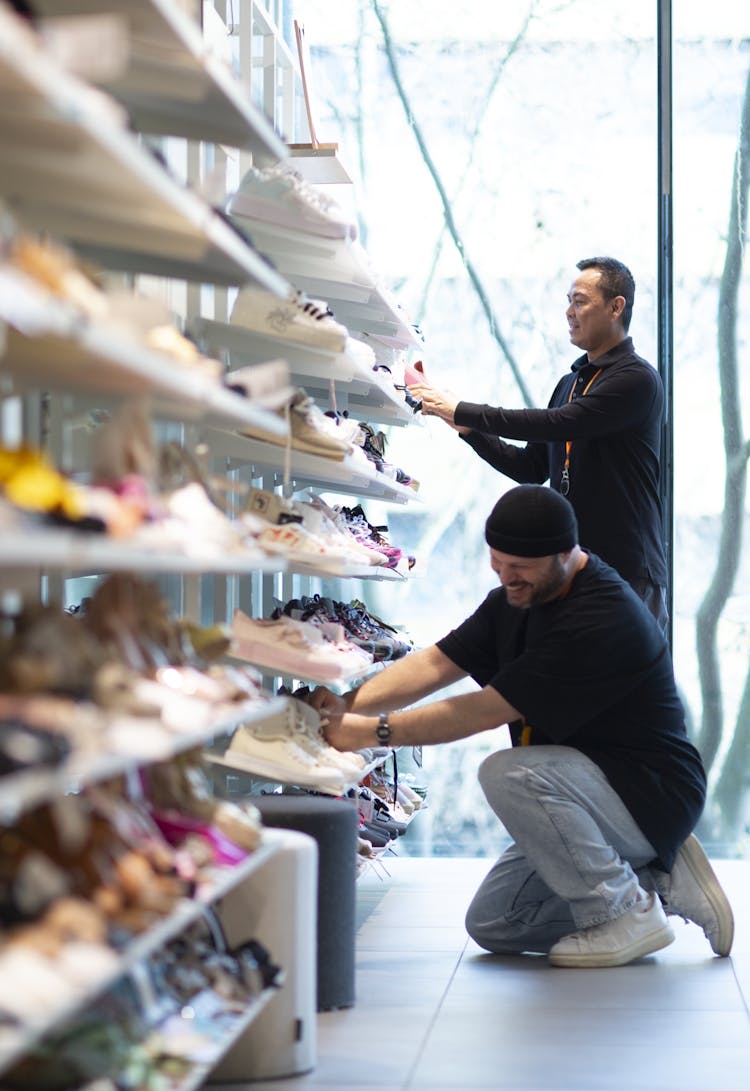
x=577 y=560
x=597 y=353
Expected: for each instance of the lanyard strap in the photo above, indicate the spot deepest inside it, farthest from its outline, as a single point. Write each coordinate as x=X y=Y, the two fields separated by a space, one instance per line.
x=565 y=477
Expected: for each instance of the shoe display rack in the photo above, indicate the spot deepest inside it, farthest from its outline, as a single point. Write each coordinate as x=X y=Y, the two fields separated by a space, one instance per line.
x=170 y=80
x=314 y=369
x=70 y=166
x=75 y=166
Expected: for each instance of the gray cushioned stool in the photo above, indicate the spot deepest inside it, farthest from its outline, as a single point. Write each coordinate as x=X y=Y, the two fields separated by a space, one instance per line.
x=333 y=823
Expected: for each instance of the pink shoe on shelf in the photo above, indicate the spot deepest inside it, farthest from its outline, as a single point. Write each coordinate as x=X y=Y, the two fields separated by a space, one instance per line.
x=177 y=827
x=318 y=652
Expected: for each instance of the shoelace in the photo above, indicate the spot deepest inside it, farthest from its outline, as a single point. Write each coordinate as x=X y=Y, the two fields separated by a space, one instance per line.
x=311 y=309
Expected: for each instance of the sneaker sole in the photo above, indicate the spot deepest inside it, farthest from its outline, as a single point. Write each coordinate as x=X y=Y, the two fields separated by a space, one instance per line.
x=331 y=781
x=654 y=941
x=700 y=868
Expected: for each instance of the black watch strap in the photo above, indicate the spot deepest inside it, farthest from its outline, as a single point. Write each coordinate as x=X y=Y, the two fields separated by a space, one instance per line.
x=383 y=730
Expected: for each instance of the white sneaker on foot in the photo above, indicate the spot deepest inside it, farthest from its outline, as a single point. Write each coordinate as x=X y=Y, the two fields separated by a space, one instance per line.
x=641 y=931
x=695 y=894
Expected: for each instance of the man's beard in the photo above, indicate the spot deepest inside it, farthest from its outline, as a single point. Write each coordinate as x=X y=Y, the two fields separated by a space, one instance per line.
x=548 y=588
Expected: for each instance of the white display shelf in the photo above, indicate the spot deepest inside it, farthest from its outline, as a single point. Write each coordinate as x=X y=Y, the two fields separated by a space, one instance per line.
x=69 y=166
x=277 y=774
x=187 y=911
x=60 y=550
x=304 y=674
x=357 y=387
x=56 y=349
x=344 y=570
x=82 y=552
x=173 y=84
x=28 y=789
x=350 y=475
x=339 y=272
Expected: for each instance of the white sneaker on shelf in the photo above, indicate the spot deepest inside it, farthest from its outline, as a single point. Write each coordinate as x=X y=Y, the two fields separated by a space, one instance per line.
x=280 y=196
x=293 y=319
x=309 y=734
x=294 y=542
x=317 y=433
x=266 y=384
x=333 y=523
x=641 y=931
x=310 y=430
x=270 y=748
x=361 y=353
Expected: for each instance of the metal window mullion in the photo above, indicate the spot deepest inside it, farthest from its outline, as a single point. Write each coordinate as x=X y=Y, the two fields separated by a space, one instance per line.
x=665 y=281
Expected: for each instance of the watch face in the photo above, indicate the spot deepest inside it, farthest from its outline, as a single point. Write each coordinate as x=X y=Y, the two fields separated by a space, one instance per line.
x=383 y=731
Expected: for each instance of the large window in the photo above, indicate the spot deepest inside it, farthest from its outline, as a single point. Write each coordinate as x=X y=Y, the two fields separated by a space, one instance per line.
x=712 y=402
x=492 y=147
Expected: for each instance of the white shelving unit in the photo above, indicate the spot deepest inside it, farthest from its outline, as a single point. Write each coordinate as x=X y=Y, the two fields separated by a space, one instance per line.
x=285 y=867
x=70 y=166
x=48 y=345
x=365 y=393
x=173 y=82
x=121 y=746
x=352 y=476
x=339 y=272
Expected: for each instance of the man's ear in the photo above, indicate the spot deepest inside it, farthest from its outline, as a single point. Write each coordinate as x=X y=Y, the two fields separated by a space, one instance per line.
x=618 y=306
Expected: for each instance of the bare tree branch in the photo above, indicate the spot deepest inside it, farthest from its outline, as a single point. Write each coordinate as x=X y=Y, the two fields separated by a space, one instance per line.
x=473 y=141
x=447 y=210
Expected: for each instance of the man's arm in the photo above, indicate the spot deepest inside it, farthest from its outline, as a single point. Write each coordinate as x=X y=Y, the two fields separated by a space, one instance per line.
x=527 y=465
x=615 y=403
x=438 y=722
x=401 y=683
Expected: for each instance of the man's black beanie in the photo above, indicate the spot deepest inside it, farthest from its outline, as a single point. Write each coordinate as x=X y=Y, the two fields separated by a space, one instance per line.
x=531 y=521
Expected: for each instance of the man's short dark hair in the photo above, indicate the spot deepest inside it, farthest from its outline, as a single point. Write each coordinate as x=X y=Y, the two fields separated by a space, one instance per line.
x=614 y=279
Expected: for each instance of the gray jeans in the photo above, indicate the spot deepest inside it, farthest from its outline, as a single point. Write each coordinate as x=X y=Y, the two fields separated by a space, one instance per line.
x=575 y=856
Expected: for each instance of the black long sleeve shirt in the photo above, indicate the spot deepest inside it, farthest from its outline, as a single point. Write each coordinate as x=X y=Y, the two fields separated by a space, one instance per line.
x=615 y=434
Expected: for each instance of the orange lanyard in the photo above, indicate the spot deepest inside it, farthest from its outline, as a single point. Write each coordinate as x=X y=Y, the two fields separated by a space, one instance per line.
x=565 y=476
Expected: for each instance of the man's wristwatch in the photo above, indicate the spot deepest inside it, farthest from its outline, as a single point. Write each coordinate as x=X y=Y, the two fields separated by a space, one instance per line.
x=383 y=730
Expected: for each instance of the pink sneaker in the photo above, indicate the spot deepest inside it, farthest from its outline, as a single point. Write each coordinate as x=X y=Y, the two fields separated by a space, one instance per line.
x=318 y=652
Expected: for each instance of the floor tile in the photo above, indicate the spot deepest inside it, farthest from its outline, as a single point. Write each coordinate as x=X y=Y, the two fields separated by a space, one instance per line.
x=433 y=1012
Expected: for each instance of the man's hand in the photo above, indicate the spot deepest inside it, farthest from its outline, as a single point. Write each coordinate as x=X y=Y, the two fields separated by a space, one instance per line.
x=350 y=731
x=437 y=403
x=328 y=704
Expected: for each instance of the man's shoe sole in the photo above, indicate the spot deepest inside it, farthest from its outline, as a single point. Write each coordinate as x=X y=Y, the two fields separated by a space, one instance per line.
x=700 y=868
x=646 y=945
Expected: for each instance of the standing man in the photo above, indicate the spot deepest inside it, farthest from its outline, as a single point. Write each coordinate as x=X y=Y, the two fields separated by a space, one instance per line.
x=601 y=788
x=598 y=442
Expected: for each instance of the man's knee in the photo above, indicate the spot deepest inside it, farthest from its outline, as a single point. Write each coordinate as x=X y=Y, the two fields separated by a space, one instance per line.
x=494 y=767
x=488 y=929
x=501 y=773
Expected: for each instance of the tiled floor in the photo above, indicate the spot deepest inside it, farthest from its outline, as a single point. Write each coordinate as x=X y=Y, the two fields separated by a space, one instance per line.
x=433 y=1013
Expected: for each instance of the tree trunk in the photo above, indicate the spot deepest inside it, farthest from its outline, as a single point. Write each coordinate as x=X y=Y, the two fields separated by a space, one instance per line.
x=730 y=540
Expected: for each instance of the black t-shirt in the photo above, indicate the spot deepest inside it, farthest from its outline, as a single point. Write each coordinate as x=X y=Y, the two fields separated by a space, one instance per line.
x=615 y=434
x=592 y=670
